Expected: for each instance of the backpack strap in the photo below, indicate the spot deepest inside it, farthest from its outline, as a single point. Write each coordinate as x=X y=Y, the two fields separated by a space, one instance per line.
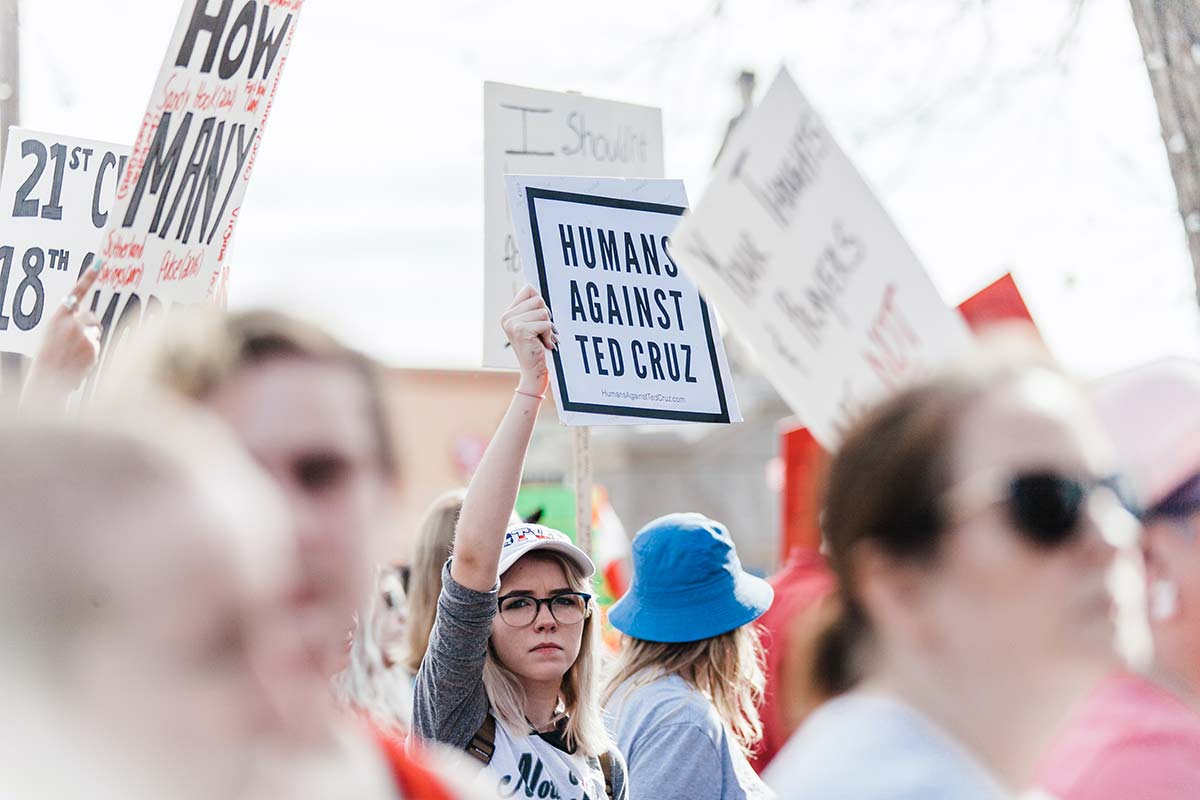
x=606 y=766
x=483 y=744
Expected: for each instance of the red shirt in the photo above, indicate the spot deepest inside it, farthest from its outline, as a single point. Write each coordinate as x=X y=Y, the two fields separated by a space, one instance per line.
x=1132 y=740
x=803 y=581
x=413 y=778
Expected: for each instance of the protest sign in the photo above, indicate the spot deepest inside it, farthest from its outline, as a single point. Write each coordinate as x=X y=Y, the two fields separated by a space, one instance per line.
x=801 y=259
x=535 y=132
x=167 y=240
x=637 y=342
x=55 y=196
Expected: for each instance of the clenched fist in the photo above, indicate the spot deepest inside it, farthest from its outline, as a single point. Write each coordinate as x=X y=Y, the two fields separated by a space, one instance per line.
x=531 y=333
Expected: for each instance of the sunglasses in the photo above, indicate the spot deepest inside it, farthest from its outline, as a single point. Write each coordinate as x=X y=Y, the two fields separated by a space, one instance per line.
x=1045 y=506
x=1178 y=507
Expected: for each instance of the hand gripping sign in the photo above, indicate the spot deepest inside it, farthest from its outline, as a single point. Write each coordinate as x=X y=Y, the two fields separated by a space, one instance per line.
x=549 y=133
x=637 y=342
x=804 y=263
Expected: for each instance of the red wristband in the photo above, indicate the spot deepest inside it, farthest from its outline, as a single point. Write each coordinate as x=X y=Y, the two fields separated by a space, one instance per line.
x=530 y=394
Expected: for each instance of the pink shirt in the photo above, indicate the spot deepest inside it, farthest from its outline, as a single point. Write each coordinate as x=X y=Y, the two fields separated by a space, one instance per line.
x=1131 y=741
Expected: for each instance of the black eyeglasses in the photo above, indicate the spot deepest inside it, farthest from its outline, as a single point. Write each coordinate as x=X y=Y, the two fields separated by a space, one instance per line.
x=1047 y=507
x=520 y=610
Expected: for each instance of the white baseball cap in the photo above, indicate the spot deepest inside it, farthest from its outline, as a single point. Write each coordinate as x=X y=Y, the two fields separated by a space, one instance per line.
x=520 y=540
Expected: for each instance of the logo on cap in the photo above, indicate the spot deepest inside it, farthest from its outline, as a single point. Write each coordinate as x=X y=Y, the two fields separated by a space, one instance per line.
x=523 y=535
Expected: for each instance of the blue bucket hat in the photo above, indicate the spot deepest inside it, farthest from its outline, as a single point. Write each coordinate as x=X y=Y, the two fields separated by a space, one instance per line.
x=688 y=583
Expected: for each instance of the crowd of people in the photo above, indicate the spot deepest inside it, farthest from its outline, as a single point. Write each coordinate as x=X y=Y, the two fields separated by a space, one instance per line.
x=195 y=606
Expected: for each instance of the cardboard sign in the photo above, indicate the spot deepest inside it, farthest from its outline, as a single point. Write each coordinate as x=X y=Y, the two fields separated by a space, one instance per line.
x=801 y=259
x=534 y=132
x=167 y=240
x=637 y=342
x=55 y=197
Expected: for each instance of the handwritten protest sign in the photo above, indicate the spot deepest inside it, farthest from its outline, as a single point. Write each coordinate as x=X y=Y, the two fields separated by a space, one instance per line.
x=167 y=240
x=55 y=196
x=802 y=260
x=637 y=342
x=535 y=132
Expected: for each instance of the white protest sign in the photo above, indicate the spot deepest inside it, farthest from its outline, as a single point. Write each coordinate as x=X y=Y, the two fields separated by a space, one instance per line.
x=535 y=132
x=637 y=342
x=168 y=237
x=55 y=197
x=803 y=261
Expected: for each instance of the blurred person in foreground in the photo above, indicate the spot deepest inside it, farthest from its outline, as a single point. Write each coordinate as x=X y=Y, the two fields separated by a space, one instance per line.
x=683 y=699
x=1138 y=734
x=144 y=586
x=511 y=673
x=971 y=520
x=312 y=413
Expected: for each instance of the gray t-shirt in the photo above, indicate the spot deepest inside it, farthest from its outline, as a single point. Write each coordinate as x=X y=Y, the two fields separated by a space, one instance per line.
x=870 y=747
x=676 y=745
x=450 y=704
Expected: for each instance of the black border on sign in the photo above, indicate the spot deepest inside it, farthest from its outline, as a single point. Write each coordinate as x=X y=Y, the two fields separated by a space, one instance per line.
x=533 y=194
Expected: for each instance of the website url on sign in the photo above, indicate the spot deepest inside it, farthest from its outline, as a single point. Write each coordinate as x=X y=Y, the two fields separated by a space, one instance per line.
x=653 y=397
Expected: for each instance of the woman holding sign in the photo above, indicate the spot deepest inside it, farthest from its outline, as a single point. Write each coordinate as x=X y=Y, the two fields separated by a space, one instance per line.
x=511 y=673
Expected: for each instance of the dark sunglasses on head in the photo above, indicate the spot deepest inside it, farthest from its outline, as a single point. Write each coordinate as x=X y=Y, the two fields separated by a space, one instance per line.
x=1045 y=506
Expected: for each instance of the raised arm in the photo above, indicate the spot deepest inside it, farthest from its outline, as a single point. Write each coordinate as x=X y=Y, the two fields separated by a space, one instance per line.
x=493 y=489
x=68 y=351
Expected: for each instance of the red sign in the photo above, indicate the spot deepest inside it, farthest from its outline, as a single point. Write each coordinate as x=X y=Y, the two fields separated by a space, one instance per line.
x=1000 y=302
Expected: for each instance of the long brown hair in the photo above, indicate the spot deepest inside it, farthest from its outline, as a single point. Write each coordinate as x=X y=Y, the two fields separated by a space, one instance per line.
x=727 y=669
x=883 y=485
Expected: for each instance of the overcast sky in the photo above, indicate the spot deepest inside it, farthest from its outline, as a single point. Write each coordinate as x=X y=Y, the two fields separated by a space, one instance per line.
x=993 y=150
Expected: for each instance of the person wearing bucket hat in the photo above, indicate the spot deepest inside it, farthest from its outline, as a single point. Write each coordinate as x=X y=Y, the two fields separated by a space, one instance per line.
x=511 y=671
x=971 y=520
x=683 y=699
x=1138 y=733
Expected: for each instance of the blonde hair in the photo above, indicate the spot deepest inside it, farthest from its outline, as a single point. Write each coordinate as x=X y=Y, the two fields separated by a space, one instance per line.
x=726 y=669
x=580 y=685
x=371 y=682
x=435 y=540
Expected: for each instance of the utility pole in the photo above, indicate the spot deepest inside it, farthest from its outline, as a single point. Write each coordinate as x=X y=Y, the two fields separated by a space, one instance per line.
x=1170 y=34
x=10 y=70
x=11 y=364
